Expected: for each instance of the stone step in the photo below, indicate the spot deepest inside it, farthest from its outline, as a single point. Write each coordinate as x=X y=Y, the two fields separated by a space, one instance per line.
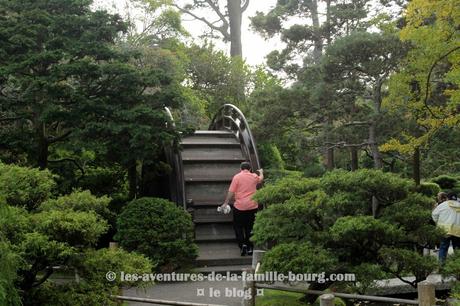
x=210 y=153
x=207 y=140
x=222 y=171
x=206 y=192
x=221 y=254
x=220 y=133
x=208 y=179
x=210 y=215
x=214 y=232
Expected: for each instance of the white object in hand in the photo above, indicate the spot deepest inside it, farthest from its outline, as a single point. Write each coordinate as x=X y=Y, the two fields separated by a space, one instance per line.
x=226 y=209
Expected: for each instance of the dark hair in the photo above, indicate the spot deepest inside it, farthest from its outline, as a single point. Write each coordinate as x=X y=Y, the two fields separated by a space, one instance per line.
x=245 y=166
x=452 y=196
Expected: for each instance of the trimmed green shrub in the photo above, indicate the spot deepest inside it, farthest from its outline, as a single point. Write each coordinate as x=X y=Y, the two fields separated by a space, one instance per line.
x=25 y=187
x=299 y=258
x=9 y=261
x=272 y=176
x=428 y=189
x=82 y=201
x=290 y=221
x=445 y=181
x=358 y=217
x=158 y=229
x=284 y=189
x=270 y=156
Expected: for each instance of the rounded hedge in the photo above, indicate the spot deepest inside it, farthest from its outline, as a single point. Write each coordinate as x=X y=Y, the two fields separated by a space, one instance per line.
x=428 y=189
x=160 y=230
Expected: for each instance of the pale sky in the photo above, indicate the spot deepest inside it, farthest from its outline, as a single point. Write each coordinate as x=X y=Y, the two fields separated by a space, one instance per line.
x=255 y=48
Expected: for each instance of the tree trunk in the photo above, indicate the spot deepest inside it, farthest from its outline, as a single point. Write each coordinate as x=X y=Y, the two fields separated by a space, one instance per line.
x=330 y=159
x=318 y=41
x=235 y=17
x=132 y=179
x=373 y=126
x=416 y=166
x=374 y=147
x=43 y=147
x=354 y=158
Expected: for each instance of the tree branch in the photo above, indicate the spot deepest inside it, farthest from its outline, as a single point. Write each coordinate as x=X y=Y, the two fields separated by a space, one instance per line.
x=428 y=80
x=82 y=170
x=49 y=271
x=59 y=138
x=218 y=12
x=245 y=6
x=222 y=29
x=10 y=119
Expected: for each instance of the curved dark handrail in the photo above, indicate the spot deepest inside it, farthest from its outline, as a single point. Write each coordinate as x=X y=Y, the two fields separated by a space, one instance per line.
x=231 y=118
x=176 y=177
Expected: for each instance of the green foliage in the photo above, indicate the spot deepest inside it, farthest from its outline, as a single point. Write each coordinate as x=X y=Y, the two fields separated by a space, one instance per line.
x=429 y=189
x=399 y=261
x=299 y=258
x=271 y=176
x=96 y=263
x=445 y=181
x=158 y=229
x=452 y=268
x=270 y=156
x=284 y=189
x=338 y=213
x=280 y=298
x=365 y=183
x=295 y=220
x=14 y=223
x=80 y=201
x=215 y=77
x=59 y=232
x=72 y=293
x=102 y=180
x=9 y=261
x=76 y=228
x=25 y=187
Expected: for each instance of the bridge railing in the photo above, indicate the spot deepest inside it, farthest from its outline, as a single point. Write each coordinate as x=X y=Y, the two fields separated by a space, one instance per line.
x=231 y=118
x=176 y=177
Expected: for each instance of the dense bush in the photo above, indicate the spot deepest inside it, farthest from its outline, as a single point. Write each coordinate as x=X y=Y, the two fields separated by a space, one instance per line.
x=284 y=189
x=158 y=229
x=9 y=261
x=428 y=189
x=55 y=232
x=446 y=182
x=93 y=288
x=273 y=175
x=452 y=268
x=25 y=187
x=270 y=156
x=370 y=222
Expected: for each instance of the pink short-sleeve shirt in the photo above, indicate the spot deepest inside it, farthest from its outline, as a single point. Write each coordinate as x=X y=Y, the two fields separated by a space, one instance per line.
x=244 y=185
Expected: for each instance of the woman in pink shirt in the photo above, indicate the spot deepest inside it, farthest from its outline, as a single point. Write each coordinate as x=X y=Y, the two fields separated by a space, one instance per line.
x=243 y=187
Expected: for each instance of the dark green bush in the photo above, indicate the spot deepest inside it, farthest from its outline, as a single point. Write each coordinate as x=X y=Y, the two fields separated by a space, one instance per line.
x=290 y=221
x=284 y=189
x=299 y=258
x=102 y=181
x=158 y=229
x=452 y=268
x=445 y=181
x=25 y=187
x=270 y=156
x=338 y=213
x=428 y=189
x=274 y=175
